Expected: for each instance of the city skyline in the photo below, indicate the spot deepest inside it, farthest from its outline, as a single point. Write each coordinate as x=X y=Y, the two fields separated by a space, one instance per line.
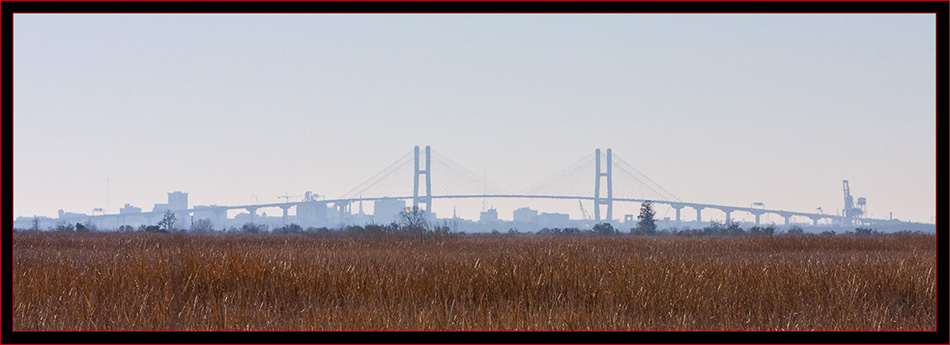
x=244 y=109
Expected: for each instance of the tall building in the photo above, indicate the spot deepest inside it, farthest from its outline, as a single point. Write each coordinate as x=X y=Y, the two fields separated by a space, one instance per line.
x=488 y=216
x=386 y=211
x=525 y=215
x=177 y=201
x=313 y=213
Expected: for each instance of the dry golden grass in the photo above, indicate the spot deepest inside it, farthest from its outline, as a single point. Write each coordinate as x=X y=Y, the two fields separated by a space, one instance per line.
x=140 y=281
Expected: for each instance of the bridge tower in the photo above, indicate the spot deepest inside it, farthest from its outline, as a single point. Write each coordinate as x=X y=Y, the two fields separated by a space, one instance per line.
x=609 y=201
x=427 y=199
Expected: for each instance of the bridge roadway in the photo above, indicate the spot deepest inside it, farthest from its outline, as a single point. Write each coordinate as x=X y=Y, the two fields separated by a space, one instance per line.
x=677 y=205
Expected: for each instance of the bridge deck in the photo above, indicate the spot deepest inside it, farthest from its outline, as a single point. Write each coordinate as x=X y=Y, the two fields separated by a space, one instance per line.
x=510 y=196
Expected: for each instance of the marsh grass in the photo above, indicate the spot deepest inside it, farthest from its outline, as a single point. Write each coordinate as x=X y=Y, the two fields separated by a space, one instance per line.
x=142 y=281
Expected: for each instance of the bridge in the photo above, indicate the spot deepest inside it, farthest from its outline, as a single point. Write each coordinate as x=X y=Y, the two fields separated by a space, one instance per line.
x=613 y=181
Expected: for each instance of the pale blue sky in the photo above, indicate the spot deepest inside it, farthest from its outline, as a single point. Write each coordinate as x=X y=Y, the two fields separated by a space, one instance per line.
x=721 y=109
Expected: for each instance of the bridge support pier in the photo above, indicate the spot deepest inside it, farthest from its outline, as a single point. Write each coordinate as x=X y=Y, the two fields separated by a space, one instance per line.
x=344 y=208
x=283 y=218
x=677 y=207
x=757 y=216
x=252 y=210
x=699 y=213
x=223 y=216
x=788 y=219
x=728 y=215
x=814 y=220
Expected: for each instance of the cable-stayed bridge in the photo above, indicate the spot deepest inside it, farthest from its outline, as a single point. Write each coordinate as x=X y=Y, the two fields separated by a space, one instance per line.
x=424 y=176
x=601 y=177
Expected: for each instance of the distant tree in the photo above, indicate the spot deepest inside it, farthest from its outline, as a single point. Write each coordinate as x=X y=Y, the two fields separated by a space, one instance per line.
x=441 y=230
x=413 y=220
x=81 y=228
x=64 y=227
x=375 y=230
x=154 y=228
x=721 y=229
x=36 y=224
x=126 y=228
x=734 y=229
x=353 y=230
x=690 y=232
x=795 y=230
x=203 y=225
x=167 y=223
x=319 y=231
x=251 y=228
x=646 y=224
x=289 y=229
x=755 y=230
x=572 y=231
x=604 y=229
x=762 y=231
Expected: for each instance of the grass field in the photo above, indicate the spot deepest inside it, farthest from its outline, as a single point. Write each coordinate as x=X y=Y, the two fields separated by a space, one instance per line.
x=145 y=281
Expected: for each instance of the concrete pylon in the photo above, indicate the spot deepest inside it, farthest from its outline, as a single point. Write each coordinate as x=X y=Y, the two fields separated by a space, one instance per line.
x=609 y=201
x=677 y=207
x=427 y=199
x=758 y=215
x=728 y=212
x=283 y=217
x=251 y=211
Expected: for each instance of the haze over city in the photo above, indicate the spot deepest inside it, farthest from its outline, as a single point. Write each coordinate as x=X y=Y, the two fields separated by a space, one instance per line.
x=245 y=109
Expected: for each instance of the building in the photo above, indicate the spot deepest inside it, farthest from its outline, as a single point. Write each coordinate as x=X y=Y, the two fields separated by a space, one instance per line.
x=64 y=214
x=217 y=215
x=488 y=216
x=386 y=211
x=525 y=215
x=177 y=201
x=129 y=209
x=554 y=219
x=312 y=213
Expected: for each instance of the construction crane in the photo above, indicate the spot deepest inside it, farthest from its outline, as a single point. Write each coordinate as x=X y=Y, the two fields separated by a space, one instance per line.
x=287 y=197
x=311 y=196
x=584 y=212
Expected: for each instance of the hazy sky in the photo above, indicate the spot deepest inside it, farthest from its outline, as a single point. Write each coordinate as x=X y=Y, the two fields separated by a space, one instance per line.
x=721 y=109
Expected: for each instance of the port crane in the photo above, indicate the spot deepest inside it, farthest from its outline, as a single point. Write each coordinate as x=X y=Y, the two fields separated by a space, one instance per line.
x=852 y=211
x=584 y=212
